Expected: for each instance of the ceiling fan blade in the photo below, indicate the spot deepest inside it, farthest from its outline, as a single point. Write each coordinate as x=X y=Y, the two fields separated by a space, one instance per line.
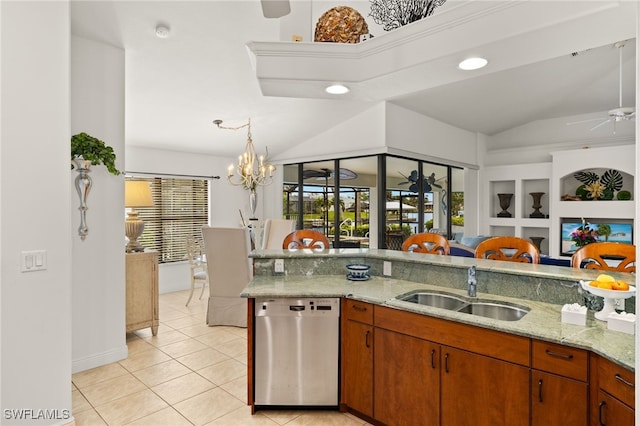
x=309 y=173
x=601 y=124
x=571 y=123
x=275 y=8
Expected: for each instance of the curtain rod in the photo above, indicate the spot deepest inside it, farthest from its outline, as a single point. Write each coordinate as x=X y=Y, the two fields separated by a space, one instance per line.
x=170 y=175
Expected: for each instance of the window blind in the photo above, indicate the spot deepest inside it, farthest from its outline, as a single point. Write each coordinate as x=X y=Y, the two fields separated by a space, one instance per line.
x=181 y=209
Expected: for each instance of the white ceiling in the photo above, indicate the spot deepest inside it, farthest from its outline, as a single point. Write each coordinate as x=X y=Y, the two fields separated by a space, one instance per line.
x=176 y=87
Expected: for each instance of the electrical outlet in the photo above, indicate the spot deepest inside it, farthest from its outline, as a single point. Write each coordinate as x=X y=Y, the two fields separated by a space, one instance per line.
x=619 y=305
x=386 y=268
x=278 y=266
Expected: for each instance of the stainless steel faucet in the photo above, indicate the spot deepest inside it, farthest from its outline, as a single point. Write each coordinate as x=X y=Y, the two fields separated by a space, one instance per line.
x=472 y=282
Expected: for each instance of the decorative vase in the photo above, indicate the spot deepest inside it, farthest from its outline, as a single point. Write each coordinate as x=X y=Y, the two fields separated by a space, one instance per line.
x=537 y=241
x=505 y=202
x=253 y=203
x=83 y=185
x=537 y=196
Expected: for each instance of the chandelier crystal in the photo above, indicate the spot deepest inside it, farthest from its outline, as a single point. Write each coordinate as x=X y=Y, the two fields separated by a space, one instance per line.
x=252 y=170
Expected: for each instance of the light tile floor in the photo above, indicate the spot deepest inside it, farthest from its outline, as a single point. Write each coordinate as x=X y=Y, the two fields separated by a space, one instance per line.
x=189 y=374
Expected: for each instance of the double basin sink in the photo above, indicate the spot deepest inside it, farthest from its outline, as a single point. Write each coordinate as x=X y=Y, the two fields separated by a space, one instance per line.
x=502 y=311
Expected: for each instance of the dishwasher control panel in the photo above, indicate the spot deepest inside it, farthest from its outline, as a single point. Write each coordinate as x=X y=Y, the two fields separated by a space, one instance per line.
x=302 y=306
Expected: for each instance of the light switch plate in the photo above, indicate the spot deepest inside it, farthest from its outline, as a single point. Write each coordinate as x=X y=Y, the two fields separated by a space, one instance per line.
x=386 y=268
x=33 y=260
x=278 y=266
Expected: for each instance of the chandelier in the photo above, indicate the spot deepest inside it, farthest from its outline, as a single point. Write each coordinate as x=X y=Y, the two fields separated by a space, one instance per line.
x=251 y=171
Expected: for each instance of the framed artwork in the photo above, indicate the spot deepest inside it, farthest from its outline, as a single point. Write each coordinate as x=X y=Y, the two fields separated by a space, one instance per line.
x=612 y=230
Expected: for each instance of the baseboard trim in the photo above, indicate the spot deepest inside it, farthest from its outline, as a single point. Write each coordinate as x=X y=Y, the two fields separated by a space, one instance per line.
x=100 y=359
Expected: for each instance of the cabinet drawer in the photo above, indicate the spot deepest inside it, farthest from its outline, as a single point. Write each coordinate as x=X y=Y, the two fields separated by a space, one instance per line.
x=358 y=311
x=617 y=381
x=559 y=359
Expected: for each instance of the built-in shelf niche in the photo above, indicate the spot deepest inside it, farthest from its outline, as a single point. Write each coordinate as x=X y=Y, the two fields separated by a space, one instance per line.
x=569 y=184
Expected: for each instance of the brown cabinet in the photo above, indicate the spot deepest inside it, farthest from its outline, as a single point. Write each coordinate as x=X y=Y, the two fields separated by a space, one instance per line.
x=357 y=356
x=421 y=379
x=407 y=379
x=482 y=391
x=142 y=291
x=559 y=390
x=404 y=368
x=613 y=388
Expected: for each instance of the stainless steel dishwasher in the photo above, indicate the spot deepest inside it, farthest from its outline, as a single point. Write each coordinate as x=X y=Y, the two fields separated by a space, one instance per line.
x=296 y=351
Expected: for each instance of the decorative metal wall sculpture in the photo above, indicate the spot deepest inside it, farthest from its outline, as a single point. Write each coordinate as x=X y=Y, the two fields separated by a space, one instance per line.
x=392 y=14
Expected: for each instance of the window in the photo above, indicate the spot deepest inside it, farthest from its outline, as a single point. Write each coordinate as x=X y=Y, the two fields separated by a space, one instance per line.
x=181 y=209
x=380 y=199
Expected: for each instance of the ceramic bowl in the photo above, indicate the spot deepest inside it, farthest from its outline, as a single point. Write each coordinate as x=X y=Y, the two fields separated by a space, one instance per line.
x=358 y=270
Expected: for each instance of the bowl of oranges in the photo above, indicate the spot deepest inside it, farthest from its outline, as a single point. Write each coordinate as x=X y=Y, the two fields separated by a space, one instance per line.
x=607 y=286
x=610 y=289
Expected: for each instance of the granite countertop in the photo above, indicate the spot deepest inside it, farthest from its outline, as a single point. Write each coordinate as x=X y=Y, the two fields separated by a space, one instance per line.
x=542 y=322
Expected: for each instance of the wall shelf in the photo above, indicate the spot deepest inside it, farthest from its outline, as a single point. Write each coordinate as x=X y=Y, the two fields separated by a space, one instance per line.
x=554 y=179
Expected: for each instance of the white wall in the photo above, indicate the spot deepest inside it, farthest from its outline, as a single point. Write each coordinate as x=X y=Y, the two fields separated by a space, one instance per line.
x=533 y=142
x=434 y=140
x=225 y=200
x=360 y=135
x=35 y=307
x=97 y=108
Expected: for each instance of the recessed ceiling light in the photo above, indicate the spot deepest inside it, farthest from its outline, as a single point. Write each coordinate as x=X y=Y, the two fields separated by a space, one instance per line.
x=162 y=31
x=337 y=89
x=470 y=64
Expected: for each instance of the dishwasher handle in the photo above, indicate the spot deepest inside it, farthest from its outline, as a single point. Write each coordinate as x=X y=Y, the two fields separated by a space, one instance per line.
x=296 y=308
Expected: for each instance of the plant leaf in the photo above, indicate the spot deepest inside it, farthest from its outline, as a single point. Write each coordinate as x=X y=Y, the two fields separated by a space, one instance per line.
x=586 y=177
x=612 y=179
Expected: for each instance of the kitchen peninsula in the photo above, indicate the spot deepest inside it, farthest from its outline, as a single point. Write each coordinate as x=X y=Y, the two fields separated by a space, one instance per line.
x=415 y=351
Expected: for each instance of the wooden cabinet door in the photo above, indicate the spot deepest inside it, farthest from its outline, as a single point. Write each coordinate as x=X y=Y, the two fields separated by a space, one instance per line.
x=357 y=363
x=406 y=380
x=612 y=412
x=557 y=400
x=480 y=391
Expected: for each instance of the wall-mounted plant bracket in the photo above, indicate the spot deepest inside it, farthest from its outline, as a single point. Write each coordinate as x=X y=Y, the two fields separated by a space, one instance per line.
x=85 y=151
x=83 y=185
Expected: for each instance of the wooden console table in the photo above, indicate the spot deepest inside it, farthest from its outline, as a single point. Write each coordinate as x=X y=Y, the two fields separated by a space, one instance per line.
x=142 y=291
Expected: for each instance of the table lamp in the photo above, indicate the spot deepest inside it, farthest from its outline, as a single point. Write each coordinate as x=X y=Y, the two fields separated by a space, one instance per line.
x=137 y=194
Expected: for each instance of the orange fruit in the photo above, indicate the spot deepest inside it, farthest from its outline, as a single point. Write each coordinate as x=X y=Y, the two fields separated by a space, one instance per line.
x=605 y=285
x=620 y=285
x=605 y=278
x=594 y=283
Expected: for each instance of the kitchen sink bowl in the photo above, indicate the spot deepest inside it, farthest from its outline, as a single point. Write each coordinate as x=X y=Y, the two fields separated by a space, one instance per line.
x=436 y=300
x=497 y=311
x=501 y=311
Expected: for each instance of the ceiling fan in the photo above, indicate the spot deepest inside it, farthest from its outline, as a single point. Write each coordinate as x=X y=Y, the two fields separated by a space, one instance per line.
x=345 y=174
x=275 y=8
x=428 y=182
x=621 y=113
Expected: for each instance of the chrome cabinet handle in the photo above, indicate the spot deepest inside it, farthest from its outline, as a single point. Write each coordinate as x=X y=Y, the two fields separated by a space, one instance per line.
x=540 y=390
x=600 y=407
x=620 y=379
x=433 y=358
x=446 y=363
x=558 y=355
x=366 y=339
x=359 y=308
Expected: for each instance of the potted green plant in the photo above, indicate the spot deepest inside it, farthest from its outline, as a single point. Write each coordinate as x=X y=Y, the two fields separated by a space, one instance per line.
x=94 y=150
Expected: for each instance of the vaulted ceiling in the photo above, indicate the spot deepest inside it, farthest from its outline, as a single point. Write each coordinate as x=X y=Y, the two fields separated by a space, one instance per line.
x=176 y=86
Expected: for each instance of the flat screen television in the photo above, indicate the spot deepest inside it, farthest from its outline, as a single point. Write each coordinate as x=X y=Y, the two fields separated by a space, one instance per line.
x=621 y=231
